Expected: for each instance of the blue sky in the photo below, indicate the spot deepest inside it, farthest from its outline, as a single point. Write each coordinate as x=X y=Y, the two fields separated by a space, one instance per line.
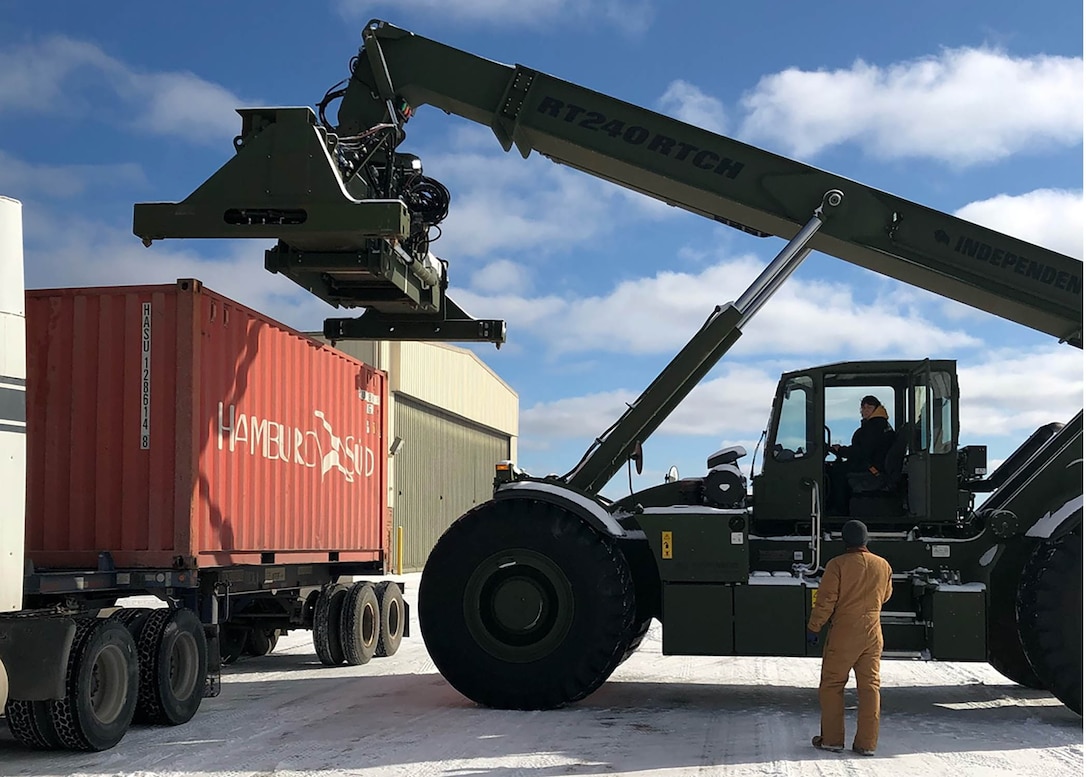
x=969 y=107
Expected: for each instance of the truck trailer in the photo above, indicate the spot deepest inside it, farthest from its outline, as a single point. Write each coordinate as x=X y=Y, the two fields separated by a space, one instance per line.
x=179 y=445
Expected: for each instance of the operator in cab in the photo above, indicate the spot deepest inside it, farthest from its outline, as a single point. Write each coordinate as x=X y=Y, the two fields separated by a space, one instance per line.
x=853 y=588
x=866 y=452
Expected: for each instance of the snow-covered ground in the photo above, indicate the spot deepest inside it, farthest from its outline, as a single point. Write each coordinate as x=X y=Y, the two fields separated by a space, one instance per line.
x=288 y=716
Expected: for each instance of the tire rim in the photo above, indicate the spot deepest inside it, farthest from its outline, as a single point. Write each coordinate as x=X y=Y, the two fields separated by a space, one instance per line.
x=518 y=605
x=184 y=659
x=370 y=625
x=392 y=619
x=109 y=684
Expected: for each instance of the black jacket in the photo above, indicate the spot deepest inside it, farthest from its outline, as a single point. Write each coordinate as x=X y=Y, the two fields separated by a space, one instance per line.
x=869 y=445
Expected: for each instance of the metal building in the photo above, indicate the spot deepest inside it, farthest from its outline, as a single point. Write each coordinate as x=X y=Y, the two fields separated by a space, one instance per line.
x=451 y=418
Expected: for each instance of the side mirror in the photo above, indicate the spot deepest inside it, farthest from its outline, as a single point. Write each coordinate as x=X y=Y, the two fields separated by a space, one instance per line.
x=672 y=475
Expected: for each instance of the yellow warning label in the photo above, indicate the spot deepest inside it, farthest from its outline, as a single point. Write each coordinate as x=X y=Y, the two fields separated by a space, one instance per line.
x=814 y=592
x=666 y=544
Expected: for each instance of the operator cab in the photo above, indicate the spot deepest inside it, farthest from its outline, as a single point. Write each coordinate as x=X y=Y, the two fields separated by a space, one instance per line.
x=911 y=469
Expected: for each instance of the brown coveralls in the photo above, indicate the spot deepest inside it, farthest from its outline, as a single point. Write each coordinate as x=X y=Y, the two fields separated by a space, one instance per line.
x=853 y=588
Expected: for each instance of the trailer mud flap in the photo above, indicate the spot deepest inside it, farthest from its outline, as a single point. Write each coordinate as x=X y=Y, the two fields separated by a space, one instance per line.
x=215 y=662
x=34 y=651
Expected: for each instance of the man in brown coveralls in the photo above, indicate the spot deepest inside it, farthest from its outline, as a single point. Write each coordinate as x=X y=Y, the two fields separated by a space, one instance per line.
x=852 y=590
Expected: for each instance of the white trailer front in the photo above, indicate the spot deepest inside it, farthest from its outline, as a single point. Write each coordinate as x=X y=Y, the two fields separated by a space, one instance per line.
x=12 y=413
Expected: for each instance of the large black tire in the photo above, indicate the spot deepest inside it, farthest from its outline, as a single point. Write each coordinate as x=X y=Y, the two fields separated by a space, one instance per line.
x=328 y=643
x=100 y=687
x=31 y=725
x=1005 y=651
x=1014 y=665
x=359 y=622
x=173 y=664
x=1049 y=611
x=524 y=606
x=638 y=633
x=391 y=609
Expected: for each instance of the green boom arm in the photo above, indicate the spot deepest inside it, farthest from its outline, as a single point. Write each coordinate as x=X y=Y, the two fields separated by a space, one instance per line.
x=717 y=177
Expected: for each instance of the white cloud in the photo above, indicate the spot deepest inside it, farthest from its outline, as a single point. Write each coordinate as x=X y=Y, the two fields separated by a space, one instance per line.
x=1017 y=392
x=571 y=417
x=508 y=204
x=1048 y=217
x=731 y=405
x=502 y=275
x=59 y=75
x=631 y=16
x=32 y=75
x=659 y=314
x=965 y=106
x=184 y=105
x=688 y=103
x=23 y=180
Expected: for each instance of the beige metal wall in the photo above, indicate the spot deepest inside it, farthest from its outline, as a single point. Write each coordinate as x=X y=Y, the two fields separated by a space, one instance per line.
x=455 y=419
x=444 y=467
x=456 y=380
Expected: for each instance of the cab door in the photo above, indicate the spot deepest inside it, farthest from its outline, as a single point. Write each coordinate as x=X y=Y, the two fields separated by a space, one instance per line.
x=793 y=458
x=930 y=465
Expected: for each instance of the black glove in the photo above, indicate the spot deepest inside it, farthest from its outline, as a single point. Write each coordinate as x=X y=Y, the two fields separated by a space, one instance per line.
x=812 y=637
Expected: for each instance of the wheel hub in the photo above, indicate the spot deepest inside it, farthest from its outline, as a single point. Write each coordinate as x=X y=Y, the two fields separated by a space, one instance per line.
x=109 y=684
x=184 y=659
x=518 y=605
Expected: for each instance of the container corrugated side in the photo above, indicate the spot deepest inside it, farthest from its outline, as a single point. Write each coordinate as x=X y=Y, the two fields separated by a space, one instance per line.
x=171 y=426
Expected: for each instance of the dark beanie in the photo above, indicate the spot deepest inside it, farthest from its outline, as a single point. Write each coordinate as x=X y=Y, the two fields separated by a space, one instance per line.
x=855 y=535
x=870 y=400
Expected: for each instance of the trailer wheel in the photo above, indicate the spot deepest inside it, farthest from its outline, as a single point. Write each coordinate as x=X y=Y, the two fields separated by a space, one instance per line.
x=261 y=642
x=309 y=607
x=391 y=608
x=173 y=663
x=1049 y=611
x=359 y=620
x=101 y=686
x=31 y=725
x=232 y=643
x=328 y=642
x=524 y=606
x=133 y=618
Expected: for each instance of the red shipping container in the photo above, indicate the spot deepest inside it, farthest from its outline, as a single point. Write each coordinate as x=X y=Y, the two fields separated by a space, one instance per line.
x=176 y=428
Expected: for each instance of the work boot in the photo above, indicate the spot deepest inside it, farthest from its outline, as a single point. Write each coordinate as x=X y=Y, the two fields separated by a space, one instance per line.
x=818 y=743
x=861 y=750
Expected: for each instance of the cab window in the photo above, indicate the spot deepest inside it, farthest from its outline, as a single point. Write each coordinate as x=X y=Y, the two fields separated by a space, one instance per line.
x=791 y=438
